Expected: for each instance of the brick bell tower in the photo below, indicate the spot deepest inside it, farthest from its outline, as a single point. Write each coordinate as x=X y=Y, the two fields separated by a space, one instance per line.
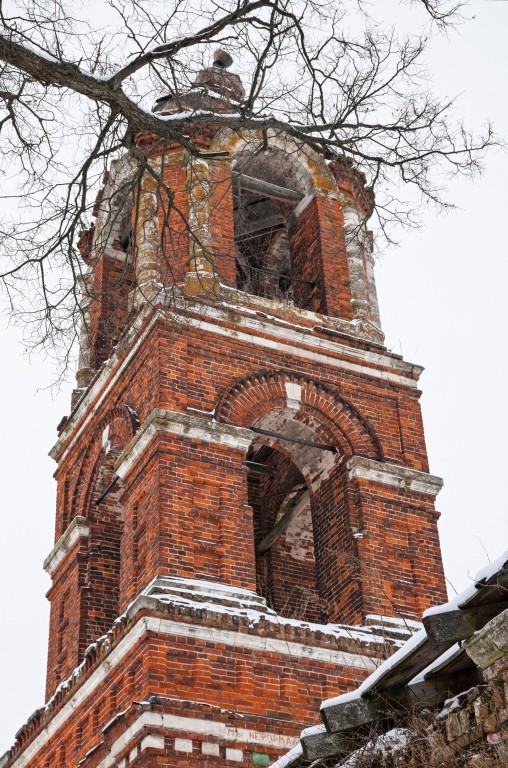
x=245 y=519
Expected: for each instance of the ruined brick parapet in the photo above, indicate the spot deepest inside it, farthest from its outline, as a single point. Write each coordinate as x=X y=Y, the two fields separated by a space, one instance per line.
x=471 y=729
x=352 y=183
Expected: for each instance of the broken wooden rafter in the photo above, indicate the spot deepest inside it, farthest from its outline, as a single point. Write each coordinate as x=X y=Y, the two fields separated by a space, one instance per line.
x=454 y=625
x=431 y=692
x=265 y=188
x=265 y=225
x=392 y=692
x=321 y=744
x=283 y=524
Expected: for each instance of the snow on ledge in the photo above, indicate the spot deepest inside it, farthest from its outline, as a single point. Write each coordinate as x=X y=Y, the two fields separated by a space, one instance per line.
x=288 y=758
x=484 y=574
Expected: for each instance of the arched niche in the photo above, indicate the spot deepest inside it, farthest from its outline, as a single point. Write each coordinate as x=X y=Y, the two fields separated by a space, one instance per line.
x=100 y=591
x=98 y=498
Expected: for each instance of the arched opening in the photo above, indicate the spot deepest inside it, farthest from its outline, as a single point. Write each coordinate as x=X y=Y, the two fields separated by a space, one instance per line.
x=268 y=186
x=101 y=588
x=284 y=541
x=288 y=461
x=305 y=435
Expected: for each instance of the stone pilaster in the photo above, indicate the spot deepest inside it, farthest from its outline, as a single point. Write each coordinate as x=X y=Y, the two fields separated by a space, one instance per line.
x=85 y=372
x=147 y=240
x=201 y=277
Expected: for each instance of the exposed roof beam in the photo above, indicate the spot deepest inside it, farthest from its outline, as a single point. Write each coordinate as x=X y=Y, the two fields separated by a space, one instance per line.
x=259 y=469
x=260 y=187
x=267 y=224
x=108 y=489
x=299 y=440
x=428 y=693
x=451 y=626
x=283 y=523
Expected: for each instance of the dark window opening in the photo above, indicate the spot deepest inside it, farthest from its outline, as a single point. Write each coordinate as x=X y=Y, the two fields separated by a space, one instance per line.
x=268 y=186
x=284 y=541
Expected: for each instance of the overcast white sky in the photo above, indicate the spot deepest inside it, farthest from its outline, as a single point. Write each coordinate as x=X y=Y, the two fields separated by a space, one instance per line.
x=443 y=304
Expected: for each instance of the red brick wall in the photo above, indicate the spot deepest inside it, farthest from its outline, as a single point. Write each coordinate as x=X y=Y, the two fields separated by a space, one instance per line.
x=318 y=251
x=222 y=223
x=113 y=280
x=208 y=680
x=173 y=218
x=187 y=490
x=193 y=519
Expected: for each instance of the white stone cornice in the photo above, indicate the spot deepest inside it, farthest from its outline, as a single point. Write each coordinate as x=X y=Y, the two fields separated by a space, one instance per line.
x=392 y=474
x=183 y=425
x=79 y=528
x=272 y=333
x=251 y=317
x=302 y=343
x=103 y=384
x=207 y=634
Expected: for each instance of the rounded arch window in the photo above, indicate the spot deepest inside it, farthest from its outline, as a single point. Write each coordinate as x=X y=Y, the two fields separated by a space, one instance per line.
x=269 y=184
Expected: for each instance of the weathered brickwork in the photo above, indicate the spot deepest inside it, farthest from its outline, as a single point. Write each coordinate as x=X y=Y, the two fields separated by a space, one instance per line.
x=237 y=464
x=167 y=657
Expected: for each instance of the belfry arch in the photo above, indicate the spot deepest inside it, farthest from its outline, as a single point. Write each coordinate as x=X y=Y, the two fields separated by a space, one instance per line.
x=284 y=200
x=268 y=187
x=299 y=491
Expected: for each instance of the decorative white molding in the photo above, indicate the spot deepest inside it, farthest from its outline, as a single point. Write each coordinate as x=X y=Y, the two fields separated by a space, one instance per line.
x=197 y=726
x=294 y=395
x=392 y=474
x=321 y=350
x=234 y=754
x=199 y=591
x=210 y=748
x=79 y=528
x=149 y=624
x=185 y=425
x=152 y=741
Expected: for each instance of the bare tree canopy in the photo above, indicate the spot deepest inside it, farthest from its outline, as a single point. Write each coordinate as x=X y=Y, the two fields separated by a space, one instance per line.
x=78 y=84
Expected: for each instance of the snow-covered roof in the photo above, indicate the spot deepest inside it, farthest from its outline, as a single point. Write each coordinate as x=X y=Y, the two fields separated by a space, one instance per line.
x=419 y=660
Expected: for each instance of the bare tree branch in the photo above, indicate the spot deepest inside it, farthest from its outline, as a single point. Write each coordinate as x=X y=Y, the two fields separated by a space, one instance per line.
x=74 y=95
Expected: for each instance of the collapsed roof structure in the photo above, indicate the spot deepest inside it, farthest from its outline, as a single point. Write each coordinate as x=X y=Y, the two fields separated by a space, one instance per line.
x=461 y=652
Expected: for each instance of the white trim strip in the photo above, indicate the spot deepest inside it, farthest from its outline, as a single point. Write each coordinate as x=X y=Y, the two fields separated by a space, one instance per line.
x=184 y=425
x=298 y=335
x=261 y=643
x=288 y=329
x=192 y=725
x=392 y=474
x=85 y=409
x=174 y=628
x=78 y=528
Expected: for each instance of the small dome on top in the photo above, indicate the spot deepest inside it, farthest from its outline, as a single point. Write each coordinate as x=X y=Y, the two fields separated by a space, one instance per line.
x=214 y=90
x=222 y=59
